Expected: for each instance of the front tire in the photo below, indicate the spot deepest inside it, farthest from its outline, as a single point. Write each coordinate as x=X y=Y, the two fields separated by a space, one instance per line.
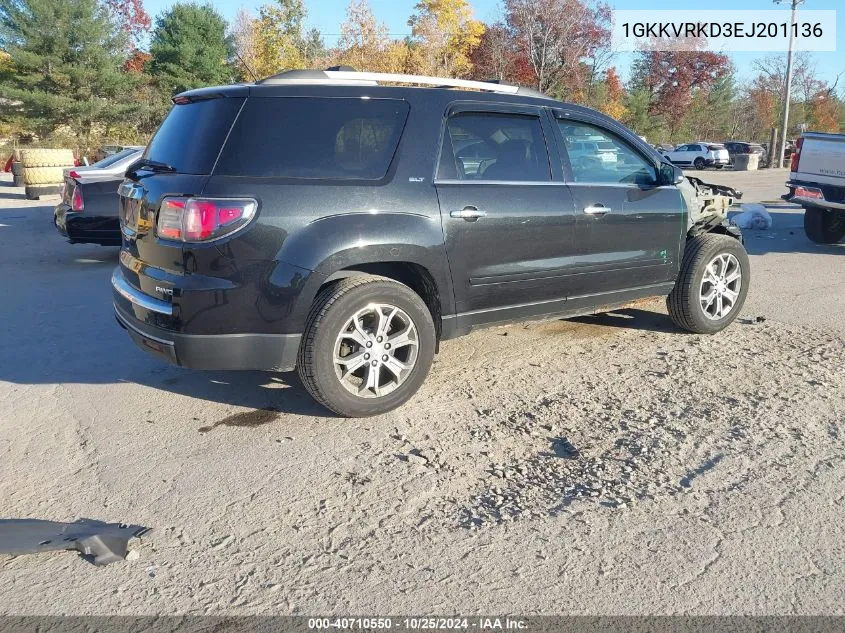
x=368 y=345
x=712 y=284
x=824 y=226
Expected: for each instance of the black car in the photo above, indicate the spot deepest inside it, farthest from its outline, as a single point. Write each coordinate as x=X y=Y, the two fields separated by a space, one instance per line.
x=88 y=211
x=742 y=147
x=323 y=221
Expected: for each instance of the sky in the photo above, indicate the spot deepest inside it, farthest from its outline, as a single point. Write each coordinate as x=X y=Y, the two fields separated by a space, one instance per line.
x=327 y=15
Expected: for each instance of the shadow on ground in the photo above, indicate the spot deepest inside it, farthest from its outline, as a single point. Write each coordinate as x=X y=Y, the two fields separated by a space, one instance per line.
x=631 y=319
x=57 y=326
x=786 y=236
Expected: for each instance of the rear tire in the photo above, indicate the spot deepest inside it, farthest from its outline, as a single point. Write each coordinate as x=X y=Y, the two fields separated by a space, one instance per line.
x=344 y=324
x=698 y=163
x=712 y=284
x=824 y=226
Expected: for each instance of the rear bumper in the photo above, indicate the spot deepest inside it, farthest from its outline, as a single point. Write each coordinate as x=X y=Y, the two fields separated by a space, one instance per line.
x=717 y=161
x=270 y=352
x=823 y=202
x=82 y=229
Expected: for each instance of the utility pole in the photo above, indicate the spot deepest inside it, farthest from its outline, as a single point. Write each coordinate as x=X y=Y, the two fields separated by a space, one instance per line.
x=781 y=161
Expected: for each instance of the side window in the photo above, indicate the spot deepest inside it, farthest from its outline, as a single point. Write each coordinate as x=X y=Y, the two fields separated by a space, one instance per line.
x=498 y=147
x=682 y=148
x=696 y=148
x=597 y=155
x=330 y=138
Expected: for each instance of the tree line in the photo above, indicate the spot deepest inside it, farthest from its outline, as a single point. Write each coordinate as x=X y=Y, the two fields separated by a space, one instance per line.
x=85 y=72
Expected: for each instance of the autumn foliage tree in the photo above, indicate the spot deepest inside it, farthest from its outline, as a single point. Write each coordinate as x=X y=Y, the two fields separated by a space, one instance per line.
x=243 y=33
x=364 y=41
x=613 y=101
x=132 y=19
x=559 y=38
x=279 y=36
x=824 y=111
x=674 y=78
x=498 y=57
x=444 y=35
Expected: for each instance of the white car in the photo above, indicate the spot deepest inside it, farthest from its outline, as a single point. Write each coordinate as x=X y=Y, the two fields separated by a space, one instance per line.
x=583 y=152
x=700 y=155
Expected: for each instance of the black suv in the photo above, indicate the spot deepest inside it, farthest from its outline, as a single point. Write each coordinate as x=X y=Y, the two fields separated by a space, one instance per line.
x=324 y=221
x=741 y=147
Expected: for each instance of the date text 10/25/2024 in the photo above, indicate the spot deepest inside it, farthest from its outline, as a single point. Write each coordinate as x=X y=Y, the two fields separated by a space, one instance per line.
x=419 y=624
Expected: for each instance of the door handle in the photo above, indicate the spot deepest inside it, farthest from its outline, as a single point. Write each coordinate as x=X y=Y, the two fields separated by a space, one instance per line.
x=470 y=214
x=597 y=209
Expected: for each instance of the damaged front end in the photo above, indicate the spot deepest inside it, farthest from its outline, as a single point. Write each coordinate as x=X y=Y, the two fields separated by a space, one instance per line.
x=708 y=205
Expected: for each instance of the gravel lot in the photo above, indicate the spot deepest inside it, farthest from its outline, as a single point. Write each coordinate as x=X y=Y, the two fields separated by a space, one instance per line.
x=606 y=465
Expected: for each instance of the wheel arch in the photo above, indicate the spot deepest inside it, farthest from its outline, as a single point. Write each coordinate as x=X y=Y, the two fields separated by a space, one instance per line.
x=722 y=228
x=417 y=277
x=404 y=246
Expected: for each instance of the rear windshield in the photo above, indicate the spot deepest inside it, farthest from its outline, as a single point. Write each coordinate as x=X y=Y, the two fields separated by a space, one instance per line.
x=190 y=137
x=299 y=137
x=111 y=160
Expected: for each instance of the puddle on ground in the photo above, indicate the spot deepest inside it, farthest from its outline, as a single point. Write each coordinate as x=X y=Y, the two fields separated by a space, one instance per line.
x=257 y=417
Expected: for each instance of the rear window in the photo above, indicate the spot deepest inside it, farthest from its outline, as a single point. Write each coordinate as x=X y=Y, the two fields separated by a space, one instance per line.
x=299 y=137
x=111 y=160
x=190 y=137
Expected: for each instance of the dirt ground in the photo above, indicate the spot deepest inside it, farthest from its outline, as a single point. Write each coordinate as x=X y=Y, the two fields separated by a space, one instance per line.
x=606 y=465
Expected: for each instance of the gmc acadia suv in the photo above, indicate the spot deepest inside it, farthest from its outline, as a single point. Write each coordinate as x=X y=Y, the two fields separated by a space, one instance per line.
x=325 y=221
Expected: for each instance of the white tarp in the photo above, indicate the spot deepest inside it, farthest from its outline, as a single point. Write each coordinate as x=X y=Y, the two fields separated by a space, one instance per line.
x=752 y=216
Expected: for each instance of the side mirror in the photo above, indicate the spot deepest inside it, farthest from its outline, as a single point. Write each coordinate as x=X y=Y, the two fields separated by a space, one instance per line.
x=670 y=174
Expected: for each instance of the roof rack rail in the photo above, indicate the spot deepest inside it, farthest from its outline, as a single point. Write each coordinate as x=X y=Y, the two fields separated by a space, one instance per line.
x=366 y=78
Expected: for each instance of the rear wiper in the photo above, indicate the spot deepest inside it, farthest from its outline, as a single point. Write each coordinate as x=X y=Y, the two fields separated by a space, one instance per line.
x=150 y=165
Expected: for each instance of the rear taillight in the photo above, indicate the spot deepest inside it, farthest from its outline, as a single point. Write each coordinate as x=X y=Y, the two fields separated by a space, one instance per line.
x=203 y=219
x=796 y=154
x=809 y=192
x=76 y=201
x=73 y=174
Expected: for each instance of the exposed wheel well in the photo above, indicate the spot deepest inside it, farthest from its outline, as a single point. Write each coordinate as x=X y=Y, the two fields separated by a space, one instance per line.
x=416 y=277
x=721 y=229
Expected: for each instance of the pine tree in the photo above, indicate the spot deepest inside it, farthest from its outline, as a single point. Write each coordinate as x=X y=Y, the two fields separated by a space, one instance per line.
x=190 y=48
x=66 y=61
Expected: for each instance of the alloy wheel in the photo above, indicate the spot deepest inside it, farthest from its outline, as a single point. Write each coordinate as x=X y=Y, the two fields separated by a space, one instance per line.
x=720 y=286
x=376 y=350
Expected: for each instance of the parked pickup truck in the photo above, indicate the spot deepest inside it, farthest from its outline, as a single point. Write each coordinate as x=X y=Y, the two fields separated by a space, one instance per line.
x=817 y=183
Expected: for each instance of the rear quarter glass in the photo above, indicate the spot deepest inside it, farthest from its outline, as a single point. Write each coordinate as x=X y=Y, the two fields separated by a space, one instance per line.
x=314 y=138
x=191 y=135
